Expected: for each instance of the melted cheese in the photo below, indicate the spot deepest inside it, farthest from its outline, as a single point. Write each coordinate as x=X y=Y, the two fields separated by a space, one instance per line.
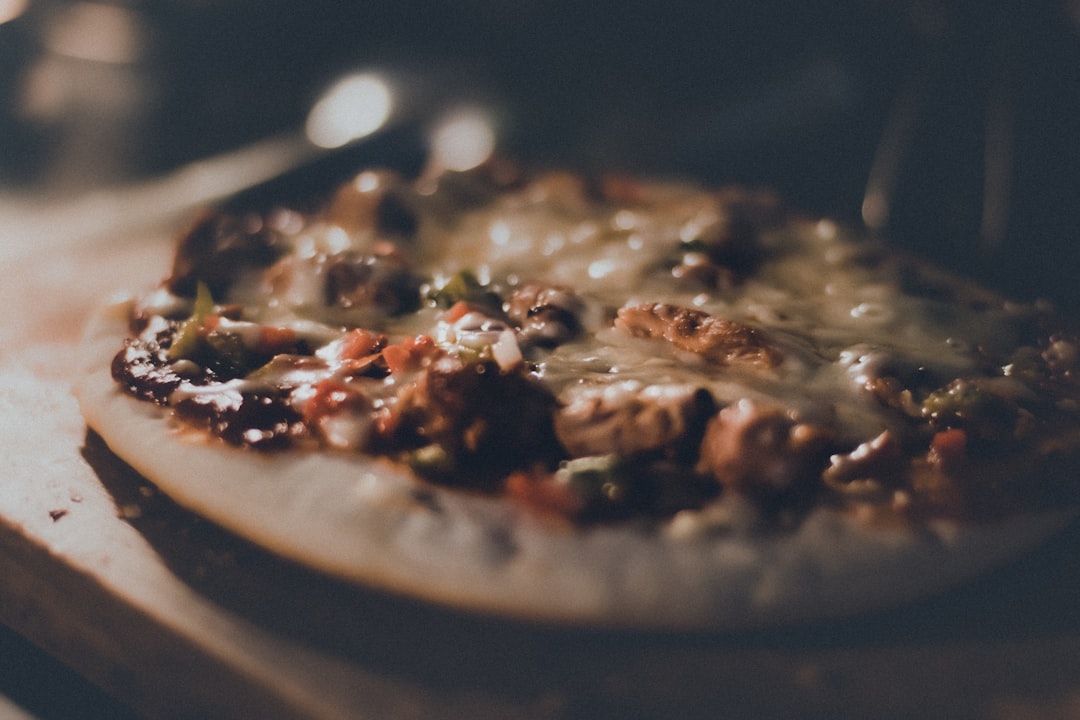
x=838 y=322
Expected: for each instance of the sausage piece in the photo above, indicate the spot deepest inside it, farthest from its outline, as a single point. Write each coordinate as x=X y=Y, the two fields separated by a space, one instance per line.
x=763 y=453
x=547 y=315
x=628 y=417
x=718 y=340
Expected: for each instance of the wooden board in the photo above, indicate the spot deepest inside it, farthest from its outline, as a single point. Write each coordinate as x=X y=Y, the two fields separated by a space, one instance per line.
x=176 y=618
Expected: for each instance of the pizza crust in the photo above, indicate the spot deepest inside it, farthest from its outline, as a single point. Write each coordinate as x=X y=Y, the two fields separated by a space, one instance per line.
x=367 y=521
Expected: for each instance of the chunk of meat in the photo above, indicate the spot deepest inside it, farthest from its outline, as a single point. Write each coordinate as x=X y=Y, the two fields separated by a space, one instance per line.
x=718 y=340
x=763 y=453
x=887 y=377
x=217 y=248
x=628 y=417
x=695 y=269
x=382 y=279
x=729 y=237
x=376 y=202
x=547 y=315
x=486 y=422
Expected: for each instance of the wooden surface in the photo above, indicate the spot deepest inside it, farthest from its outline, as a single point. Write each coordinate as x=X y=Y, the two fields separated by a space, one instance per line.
x=177 y=619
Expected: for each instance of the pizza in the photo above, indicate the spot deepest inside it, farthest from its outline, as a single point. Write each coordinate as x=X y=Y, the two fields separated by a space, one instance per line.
x=604 y=401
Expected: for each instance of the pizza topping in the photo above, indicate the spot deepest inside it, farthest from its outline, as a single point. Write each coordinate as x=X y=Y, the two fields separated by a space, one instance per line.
x=261 y=420
x=717 y=340
x=143 y=366
x=340 y=414
x=614 y=486
x=381 y=279
x=948 y=449
x=883 y=375
x=411 y=353
x=605 y=350
x=541 y=493
x=720 y=246
x=879 y=462
x=229 y=348
x=485 y=422
x=965 y=403
x=469 y=333
x=1062 y=357
x=186 y=342
x=218 y=247
x=464 y=287
x=546 y=315
x=696 y=269
x=762 y=452
x=375 y=204
x=629 y=417
x=611 y=487
x=356 y=344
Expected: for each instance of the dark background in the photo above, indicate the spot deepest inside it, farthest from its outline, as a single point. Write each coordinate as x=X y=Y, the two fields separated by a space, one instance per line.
x=793 y=94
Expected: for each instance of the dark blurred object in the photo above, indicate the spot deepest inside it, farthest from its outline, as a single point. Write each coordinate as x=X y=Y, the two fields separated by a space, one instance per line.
x=746 y=88
x=796 y=95
x=17 y=156
x=79 y=94
x=34 y=686
x=985 y=175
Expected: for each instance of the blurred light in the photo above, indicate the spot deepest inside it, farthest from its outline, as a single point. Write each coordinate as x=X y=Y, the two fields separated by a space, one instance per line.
x=96 y=32
x=462 y=140
x=352 y=108
x=602 y=268
x=11 y=9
